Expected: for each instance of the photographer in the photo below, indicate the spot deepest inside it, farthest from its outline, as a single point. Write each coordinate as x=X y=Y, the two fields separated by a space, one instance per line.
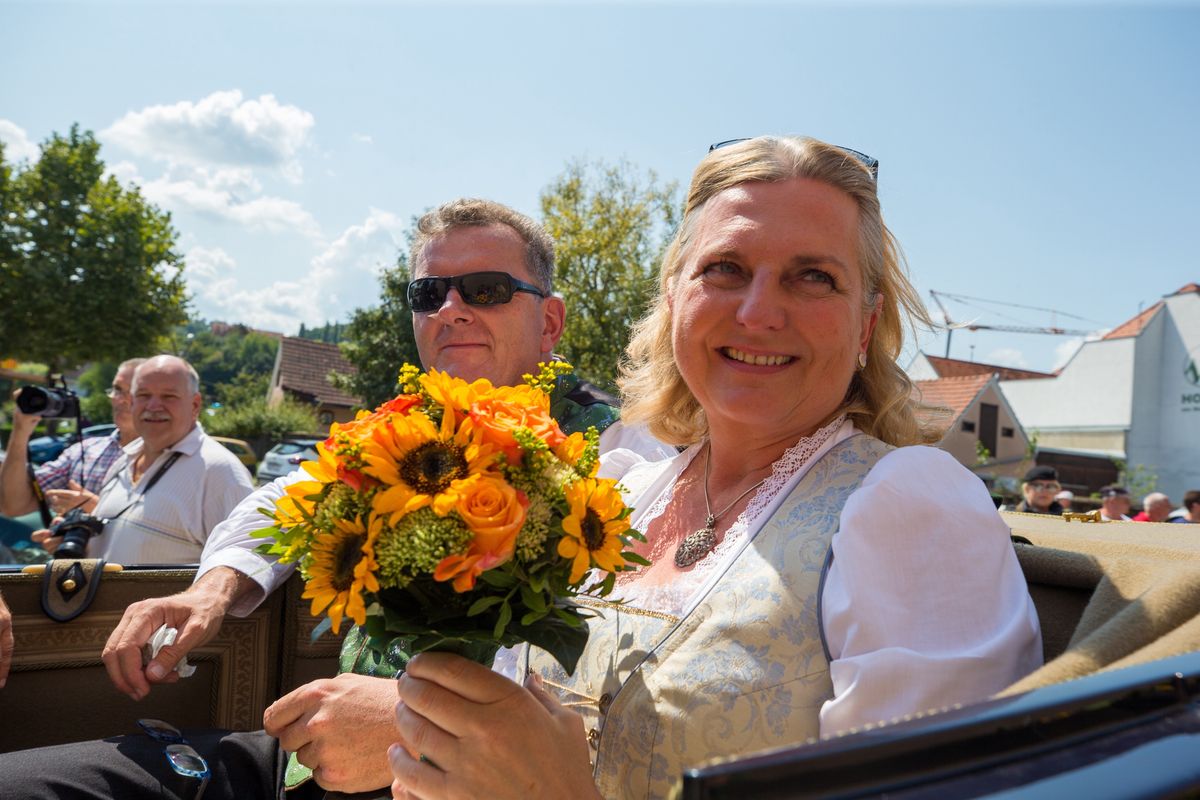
x=171 y=486
x=79 y=472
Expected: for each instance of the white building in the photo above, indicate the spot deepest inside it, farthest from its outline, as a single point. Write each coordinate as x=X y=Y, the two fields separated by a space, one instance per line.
x=1133 y=395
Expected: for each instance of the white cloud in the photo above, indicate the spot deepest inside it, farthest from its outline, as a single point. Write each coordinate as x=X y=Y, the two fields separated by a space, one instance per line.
x=221 y=129
x=338 y=279
x=362 y=138
x=17 y=146
x=1007 y=357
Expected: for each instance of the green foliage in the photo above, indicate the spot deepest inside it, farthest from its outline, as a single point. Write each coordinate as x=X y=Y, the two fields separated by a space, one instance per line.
x=257 y=420
x=982 y=454
x=379 y=340
x=232 y=366
x=93 y=382
x=1139 y=479
x=330 y=332
x=88 y=268
x=610 y=226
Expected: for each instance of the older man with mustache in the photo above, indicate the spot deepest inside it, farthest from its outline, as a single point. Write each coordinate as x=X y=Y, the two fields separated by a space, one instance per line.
x=173 y=484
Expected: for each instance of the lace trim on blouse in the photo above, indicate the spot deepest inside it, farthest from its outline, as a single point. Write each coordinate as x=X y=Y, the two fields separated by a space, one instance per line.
x=674 y=597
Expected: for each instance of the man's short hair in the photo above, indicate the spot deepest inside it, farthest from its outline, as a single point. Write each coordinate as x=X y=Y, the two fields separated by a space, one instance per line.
x=1112 y=490
x=131 y=364
x=1155 y=497
x=468 y=212
x=193 y=378
x=1191 y=498
x=1041 y=472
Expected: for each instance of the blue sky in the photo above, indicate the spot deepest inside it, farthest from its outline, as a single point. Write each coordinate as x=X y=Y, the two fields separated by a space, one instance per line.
x=1038 y=154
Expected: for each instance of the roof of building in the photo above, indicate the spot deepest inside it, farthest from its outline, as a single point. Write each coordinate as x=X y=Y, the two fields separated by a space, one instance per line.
x=956 y=368
x=1191 y=288
x=1132 y=327
x=944 y=400
x=304 y=366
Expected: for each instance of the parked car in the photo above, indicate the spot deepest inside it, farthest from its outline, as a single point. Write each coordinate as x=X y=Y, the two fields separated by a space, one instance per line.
x=241 y=449
x=46 y=448
x=286 y=457
x=94 y=431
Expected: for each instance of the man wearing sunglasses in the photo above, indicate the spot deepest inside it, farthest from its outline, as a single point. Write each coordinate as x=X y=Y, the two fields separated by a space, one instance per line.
x=483 y=307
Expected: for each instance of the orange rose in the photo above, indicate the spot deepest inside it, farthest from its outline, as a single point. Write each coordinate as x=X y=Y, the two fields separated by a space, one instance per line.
x=498 y=419
x=494 y=511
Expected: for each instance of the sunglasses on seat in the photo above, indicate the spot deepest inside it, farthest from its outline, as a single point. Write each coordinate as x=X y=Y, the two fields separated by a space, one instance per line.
x=476 y=289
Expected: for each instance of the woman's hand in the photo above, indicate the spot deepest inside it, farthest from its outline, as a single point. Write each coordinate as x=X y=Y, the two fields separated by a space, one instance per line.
x=487 y=736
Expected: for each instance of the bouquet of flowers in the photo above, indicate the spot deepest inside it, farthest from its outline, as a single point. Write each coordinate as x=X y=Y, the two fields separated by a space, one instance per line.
x=460 y=516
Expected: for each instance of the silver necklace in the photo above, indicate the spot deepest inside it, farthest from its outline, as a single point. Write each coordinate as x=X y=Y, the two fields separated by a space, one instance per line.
x=698 y=544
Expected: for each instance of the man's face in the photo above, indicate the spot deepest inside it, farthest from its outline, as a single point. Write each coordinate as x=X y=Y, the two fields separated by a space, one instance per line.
x=1116 y=506
x=1040 y=493
x=1158 y=510
x=121 y=397
x=164 y=408
x=499 y=342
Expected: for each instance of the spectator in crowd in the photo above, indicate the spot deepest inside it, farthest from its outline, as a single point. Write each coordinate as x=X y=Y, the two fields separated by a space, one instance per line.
x=342 y=727
x=1039 y=486
x=173 y=485
x=1191 y=507
x=1114 y=503
x=79 y=472
x=1156 y=507
x=1065 y=498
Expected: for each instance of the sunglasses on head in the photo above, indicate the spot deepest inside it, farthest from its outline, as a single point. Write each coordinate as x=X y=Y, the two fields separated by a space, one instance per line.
x=867 y=161
x=475 y=288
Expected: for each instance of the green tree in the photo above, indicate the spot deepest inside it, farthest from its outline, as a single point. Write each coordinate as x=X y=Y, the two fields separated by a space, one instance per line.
x=377 y=341
x=231 y=365
x=88 y=268
x=93 y=383
x=260 y=423
x=610 y=225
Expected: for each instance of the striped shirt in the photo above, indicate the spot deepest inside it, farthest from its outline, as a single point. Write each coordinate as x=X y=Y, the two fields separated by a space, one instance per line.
x=85 y=462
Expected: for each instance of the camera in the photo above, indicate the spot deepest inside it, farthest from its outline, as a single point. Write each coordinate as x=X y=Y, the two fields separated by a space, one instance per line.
x=76 y=527
x=48 y=401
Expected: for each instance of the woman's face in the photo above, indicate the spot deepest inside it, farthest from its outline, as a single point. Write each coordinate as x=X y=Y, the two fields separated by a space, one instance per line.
x=767 y=308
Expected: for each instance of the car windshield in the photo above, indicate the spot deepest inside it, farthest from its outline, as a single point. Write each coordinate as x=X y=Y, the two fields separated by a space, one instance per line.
x=288 y=448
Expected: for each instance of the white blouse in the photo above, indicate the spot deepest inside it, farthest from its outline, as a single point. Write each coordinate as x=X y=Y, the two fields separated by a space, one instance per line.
x=924 y=606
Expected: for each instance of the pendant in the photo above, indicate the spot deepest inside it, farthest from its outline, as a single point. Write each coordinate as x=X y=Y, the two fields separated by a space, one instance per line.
x=696 y=545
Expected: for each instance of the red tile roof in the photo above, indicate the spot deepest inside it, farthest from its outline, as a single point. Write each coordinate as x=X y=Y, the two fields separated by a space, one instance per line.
x=1189 y=289
x=954 y=368
x=304 y=365
x=1134 y=326
x=944 y=400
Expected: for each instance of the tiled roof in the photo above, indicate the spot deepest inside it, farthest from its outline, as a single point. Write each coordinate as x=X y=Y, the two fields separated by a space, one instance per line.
x=304 y=365
x=954 y=368
x=1134 y=326
x=1191 y=288
x=942 y=401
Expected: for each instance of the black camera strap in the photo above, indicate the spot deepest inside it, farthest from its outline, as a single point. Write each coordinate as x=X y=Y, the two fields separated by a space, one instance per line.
x=175 y=456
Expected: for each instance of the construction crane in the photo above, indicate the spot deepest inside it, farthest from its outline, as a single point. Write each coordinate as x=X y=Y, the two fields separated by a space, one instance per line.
x=952 y=326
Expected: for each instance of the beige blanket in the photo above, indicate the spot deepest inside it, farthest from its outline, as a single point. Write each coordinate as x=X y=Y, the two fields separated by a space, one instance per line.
x=1138 y=585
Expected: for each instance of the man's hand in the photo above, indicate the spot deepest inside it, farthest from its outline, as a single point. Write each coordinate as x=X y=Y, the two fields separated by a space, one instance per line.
x=196 y=613
x=49 y=541
x=340 y=728
x=6 y=642
x=74 y=496
x=16 y=496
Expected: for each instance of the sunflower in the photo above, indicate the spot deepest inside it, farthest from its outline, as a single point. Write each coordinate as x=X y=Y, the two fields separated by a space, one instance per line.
x=341 y=566
x=454 y=393
x=422 y=465
x=593 y=527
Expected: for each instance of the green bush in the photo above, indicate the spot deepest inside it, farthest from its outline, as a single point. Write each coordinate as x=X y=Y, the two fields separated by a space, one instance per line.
x=257 y=421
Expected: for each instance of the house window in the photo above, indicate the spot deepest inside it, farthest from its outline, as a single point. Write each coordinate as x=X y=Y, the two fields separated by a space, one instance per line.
x=1007 y=433
x=325 y=418
x=968 y=426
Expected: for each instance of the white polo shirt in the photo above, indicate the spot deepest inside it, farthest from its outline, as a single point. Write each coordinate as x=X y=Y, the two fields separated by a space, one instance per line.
x=170 y=523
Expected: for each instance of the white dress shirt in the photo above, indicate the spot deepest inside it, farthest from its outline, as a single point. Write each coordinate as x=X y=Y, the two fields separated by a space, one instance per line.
x=170 y=523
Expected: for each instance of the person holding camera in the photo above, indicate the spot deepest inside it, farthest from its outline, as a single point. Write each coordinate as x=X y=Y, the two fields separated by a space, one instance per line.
x=169 y=489
x=75 y=477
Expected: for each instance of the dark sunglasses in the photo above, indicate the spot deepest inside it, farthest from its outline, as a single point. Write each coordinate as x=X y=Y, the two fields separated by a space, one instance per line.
x=867 y=161
x=182 y=757
x=476 y=289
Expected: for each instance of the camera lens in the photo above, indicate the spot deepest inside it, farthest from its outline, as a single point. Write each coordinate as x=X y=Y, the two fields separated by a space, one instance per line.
x=74 y=543
x=33 y=400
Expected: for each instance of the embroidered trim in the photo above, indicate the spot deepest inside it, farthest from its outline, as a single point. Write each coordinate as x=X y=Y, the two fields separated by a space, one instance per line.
x=676 y=594
x=591 y=602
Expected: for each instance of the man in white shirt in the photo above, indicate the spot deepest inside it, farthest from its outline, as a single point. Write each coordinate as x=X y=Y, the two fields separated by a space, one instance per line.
x=1114 y=503
x=173 y=484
